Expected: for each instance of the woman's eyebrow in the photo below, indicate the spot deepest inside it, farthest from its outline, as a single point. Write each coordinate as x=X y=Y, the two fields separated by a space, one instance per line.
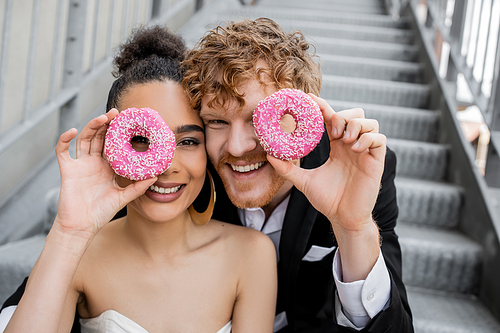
x=188 y=128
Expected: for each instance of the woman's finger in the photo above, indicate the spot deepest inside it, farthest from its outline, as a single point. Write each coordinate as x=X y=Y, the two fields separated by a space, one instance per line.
x=83 y=142
x=111 y=114
x=62 y=147
x=97 y=142
x=358 y=126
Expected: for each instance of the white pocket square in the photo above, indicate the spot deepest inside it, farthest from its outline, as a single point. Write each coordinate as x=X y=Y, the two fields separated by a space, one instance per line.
x=316 y=253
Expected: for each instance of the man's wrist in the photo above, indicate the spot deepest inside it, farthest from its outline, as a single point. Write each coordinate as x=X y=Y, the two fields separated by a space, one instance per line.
x=359 y=251
x=353 y=228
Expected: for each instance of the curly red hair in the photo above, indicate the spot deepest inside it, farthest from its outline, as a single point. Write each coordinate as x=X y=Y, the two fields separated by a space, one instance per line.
x=226 y=57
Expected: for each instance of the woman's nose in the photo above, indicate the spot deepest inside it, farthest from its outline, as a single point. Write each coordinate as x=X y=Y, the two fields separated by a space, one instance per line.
x=242 y=139
x=175 y=166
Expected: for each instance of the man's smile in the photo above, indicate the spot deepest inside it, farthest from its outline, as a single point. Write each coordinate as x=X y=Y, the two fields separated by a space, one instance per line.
x=247 y=168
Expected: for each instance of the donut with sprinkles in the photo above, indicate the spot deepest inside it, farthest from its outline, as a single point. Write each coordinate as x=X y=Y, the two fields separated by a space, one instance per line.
x=308 y=118
x=122 y=157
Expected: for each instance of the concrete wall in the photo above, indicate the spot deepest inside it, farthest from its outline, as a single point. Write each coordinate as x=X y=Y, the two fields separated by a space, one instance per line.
x=50 y=86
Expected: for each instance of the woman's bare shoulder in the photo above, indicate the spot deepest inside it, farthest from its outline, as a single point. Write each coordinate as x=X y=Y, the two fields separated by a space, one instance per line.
x=107 y=238
x=243 y=240
x=234 y=231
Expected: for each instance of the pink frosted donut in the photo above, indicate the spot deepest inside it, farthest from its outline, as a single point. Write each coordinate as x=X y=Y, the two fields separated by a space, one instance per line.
x=130 y=163
x=308 y=118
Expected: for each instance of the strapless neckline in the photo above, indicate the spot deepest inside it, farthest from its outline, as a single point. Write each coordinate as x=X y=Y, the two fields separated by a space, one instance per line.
x=114 y=321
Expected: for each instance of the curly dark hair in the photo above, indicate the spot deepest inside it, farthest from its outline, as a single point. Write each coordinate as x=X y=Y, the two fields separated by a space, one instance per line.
x=150 y=54
x=226 y=57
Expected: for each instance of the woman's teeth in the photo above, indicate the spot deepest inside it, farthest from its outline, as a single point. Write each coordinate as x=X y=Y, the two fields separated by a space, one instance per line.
x=163 y=190
x=247 y=168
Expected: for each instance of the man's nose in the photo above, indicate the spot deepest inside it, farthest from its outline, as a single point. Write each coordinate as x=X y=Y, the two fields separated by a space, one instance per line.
x=242 y=139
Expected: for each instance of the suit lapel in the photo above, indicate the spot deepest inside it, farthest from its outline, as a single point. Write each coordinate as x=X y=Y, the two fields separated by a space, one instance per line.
x=299 y=220
x=297 y=226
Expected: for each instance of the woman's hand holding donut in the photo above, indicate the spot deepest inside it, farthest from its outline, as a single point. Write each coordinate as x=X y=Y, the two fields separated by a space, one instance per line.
x=89 y=194
x=346 y=187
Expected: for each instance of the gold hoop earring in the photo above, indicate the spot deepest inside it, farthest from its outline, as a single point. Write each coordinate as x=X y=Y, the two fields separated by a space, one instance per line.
x=204 y=217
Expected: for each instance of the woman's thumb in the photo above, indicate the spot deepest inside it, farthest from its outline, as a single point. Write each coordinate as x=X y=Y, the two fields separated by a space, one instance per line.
x=138 y=188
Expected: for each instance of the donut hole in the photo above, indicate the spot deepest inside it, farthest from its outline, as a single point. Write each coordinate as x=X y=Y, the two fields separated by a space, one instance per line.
x=287 y=123
x=140 y=143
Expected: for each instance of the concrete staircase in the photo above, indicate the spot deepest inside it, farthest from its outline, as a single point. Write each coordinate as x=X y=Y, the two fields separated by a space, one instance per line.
x=368 y=60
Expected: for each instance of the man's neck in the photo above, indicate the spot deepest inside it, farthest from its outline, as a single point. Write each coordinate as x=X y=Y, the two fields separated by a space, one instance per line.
x=283 y=192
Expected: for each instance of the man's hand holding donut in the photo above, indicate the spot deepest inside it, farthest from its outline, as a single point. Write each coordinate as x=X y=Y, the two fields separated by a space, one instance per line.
x=345 y=188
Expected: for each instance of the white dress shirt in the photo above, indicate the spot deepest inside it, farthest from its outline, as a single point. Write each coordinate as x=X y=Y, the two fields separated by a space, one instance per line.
x=355 y=302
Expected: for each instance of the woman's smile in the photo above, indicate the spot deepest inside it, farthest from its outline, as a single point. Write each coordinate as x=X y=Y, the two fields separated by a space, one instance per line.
x=165 y=192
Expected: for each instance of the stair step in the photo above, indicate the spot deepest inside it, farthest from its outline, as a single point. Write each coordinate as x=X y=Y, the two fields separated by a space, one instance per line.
x=398 y=122
x=367 y=49
x=428 y=202
x=439 y=259
x=442 y=312
x=390 y=70
x=16 y=261
x=350 y=31
x=327 y=16
x=375 y=91
x=416 y=159
x=366 y=7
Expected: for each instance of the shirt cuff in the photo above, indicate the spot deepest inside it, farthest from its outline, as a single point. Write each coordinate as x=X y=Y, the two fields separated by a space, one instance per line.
x=364 y=299
x=5 y=316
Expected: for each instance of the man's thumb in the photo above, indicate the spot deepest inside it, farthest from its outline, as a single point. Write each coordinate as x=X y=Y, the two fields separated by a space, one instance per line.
x=288 y=170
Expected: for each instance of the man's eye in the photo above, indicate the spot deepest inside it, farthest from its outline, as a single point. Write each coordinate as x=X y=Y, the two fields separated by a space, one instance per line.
x=216 y=122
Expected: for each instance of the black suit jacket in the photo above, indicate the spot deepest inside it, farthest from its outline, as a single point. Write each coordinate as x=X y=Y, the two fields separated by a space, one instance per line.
x=306 y=289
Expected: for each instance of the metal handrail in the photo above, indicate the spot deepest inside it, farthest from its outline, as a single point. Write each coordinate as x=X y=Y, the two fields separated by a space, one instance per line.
x=480 y=215
x=466 y=34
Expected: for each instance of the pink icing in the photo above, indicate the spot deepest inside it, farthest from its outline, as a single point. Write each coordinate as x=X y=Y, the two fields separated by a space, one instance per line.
x=130 y=163
x=307 y=115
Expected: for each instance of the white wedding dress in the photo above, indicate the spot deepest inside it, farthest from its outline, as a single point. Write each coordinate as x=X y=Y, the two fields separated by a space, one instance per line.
x=113 y=321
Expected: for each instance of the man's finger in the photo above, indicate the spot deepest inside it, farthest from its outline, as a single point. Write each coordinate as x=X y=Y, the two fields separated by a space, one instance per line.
x=350 y=114
x=290 y=171
x=335 y=128
x=342 y=118
x=375 y=143
x=325 y=108
x=358 y=126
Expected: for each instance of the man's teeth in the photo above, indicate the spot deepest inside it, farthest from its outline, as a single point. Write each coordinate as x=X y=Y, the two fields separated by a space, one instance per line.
x=247 y=168
x=163 y=190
